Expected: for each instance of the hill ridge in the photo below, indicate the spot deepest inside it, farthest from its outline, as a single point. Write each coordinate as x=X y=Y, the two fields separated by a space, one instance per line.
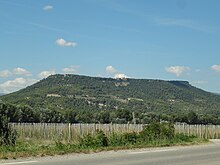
x=80 y=92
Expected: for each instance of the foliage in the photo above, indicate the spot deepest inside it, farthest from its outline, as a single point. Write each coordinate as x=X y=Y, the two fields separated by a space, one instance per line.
x=99 y=140
x=158 y=130
x=87 y=141
x=184 y=138
x=150 y=137
x=83 y=99
x=7 y=135
x=153 y=133
x=32 y=148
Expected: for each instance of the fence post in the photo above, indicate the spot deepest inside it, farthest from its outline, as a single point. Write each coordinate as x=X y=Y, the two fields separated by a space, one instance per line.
x=188 y=129
x=69 y=132
x=206 y=132
x=80 y=130
x=200 y=131
x=213 y=131
x=44 y=133
x=184 y=132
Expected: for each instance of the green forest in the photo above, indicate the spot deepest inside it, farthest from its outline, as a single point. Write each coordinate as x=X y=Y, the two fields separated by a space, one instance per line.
x=83 y=99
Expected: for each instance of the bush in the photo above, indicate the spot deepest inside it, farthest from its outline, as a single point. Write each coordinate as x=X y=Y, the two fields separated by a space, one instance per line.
x=87 y=141
x=100 y=139
x=7 y=135
x=184 y=138
x=131 y=138
x=116 y=140
x=158 y=131
x=153 y=134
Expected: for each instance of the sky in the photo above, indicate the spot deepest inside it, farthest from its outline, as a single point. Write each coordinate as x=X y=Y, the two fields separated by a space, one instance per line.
x=147 y=39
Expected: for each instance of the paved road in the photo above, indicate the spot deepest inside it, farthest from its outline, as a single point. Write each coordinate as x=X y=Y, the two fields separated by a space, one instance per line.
x=194 y=155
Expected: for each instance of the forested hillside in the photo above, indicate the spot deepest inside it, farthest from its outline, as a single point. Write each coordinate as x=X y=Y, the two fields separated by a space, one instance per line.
x=74 y=95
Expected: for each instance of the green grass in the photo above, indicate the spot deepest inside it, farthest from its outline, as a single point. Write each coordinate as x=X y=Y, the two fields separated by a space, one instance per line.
x=153 y=135
x=31 y=148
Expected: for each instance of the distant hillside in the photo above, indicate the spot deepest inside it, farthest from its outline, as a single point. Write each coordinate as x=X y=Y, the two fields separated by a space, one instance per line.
x=62 y=92
x=1 y=94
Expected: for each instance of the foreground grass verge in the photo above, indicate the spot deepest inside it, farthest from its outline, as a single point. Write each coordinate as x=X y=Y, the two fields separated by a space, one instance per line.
x=153 y=135
x=27 y=149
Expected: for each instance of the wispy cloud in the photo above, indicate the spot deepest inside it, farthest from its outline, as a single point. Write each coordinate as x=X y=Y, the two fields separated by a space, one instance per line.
x=71 y=70
x=47 y=7
x=216 y=68
x=5 y=73
x=16 y=84
x=110 y=70
x=15 y=71
x=21 y=71
x=114 y=72
x=125 y=29
x=18 y=4
x=46 y=27
x=64 y=43
x=177 y=70
x=185 y=23
x=46 y=73
x=113 y=5
x=200 y=82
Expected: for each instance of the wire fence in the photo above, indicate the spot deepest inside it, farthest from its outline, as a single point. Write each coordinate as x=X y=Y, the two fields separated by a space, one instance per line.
x=72 y=132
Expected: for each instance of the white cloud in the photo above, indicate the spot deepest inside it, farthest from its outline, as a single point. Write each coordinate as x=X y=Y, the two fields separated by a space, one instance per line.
x=99 y=75
x=62 y=42
x=115 y=73
x=5 y=73
x=177 y=70
x=70 y=70
x=21 y=71
x=16 y=84
x=15 y=71
x=110 y=69
x=185 y=23
x=216 y=68
x=47 y=73
x=120 y=76
x=200 y=82
x=48 y=7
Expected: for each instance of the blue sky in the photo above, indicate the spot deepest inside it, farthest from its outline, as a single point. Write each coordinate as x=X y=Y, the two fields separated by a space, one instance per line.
x=152 y=39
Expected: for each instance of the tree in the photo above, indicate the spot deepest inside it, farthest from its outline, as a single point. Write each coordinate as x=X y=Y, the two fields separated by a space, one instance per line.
x=124 y=114
x=103 y=117
x=7 y=135
x=192 y=118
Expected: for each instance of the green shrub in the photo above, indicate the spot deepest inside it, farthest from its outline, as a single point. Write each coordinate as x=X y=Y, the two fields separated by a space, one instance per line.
x=100 y=139
x=131 y=138
x=115 y=140
x=184 y=138
x=87 y=141
x=7 y=135
x=60 y=146
x=157 y=131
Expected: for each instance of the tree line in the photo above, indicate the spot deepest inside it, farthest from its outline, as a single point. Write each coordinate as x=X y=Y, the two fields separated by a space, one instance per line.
x=27 y=114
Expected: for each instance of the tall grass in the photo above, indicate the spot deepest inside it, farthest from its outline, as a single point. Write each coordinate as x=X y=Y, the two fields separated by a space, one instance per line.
x=153 y=135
